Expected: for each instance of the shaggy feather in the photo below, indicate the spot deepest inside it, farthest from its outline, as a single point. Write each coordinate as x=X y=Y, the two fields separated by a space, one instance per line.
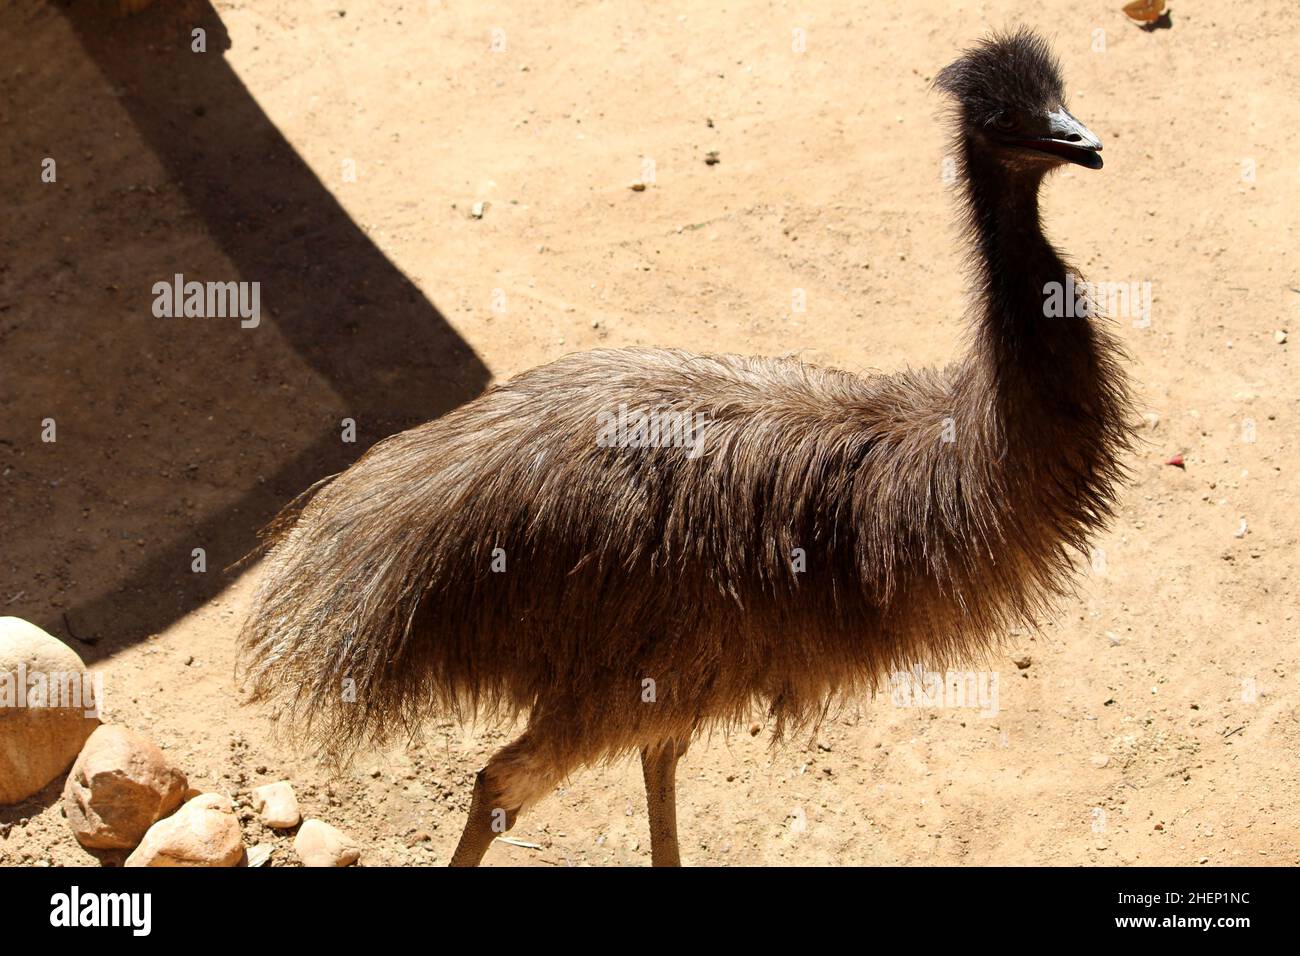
x=631 y=564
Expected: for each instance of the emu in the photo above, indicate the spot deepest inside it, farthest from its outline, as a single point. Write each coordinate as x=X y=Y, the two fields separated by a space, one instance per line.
x=826 y=529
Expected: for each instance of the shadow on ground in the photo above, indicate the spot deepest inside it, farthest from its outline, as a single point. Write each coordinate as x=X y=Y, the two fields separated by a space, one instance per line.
x=174 y=433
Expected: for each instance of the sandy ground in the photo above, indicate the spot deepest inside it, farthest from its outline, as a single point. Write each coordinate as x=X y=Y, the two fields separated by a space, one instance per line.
x=1156 y=722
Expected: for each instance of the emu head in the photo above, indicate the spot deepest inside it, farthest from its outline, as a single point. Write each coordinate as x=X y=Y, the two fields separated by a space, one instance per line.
x=1010 y=105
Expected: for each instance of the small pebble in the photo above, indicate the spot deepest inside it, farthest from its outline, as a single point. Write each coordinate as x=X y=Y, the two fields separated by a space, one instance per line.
x=260 y=854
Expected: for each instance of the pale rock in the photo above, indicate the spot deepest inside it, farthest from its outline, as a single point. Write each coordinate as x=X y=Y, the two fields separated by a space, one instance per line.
x=204 y=832
x=319 y=844
x=39 y=741
x=260 y=855
x=276 y=805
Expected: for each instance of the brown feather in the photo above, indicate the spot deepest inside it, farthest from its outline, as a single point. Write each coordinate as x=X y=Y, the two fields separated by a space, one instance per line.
x=628 y=564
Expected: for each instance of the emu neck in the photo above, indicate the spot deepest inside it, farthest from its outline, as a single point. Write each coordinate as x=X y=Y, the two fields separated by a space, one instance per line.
x=1021 y=347
x=1043 y=396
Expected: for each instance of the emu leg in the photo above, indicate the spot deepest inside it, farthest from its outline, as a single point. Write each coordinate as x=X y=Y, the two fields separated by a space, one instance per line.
x=516 y=775
x=485 y=823
x=659 y=766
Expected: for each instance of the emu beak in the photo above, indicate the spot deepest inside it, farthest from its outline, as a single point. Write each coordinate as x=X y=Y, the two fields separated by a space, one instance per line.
x=1068 y=138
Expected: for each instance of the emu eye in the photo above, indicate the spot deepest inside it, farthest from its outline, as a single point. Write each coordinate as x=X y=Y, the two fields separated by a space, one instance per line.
x=1004 y=123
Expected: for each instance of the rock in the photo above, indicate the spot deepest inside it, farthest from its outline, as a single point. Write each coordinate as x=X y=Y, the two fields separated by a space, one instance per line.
x=204 y=832
x=1022 y=662
x=637 y=186
x=417 y=837
x=1100 y=760
x=1280 y=337
x=476 y=211
x=260 y=854
x=319 y=844
x=120 y=786
x=37 y=739
x=276 y=805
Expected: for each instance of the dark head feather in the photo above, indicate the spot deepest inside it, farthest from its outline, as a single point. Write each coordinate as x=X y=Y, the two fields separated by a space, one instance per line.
x=1006 y=73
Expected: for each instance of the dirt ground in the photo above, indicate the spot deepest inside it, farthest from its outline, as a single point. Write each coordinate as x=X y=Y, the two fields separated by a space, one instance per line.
x=1157 y=720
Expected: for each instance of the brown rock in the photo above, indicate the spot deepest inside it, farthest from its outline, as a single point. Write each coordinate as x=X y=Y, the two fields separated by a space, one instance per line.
x=416 y=837
x=120 y=786
x=39 y=734
x=319 y=844
x=204 y=832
